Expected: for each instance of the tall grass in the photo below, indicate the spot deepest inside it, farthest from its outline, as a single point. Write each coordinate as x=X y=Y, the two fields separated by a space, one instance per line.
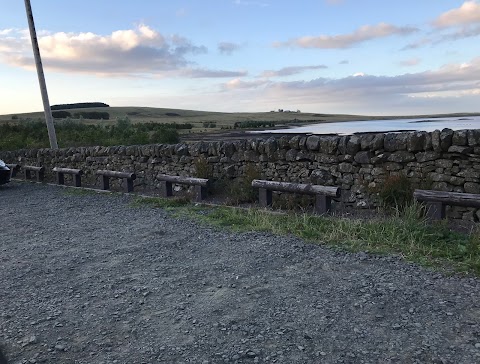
x=405 y=233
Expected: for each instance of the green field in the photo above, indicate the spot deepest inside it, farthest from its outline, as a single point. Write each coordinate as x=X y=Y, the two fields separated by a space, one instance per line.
x=146 y=125
x=222 y=120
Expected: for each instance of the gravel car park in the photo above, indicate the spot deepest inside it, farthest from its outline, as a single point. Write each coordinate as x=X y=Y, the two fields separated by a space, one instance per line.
x=4 y=173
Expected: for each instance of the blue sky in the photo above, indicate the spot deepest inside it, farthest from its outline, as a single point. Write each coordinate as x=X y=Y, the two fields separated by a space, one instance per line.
x=330 y=56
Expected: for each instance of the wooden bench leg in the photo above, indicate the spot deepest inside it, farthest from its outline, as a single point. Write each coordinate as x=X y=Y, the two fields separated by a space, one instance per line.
x=166 y=189
x=323 y=204
x=77 y=180
x=60 y=178
x=265 y=197
x=28 y=174
x=105 y=183
x=200 y=193
x=129 y=185
x=40 y=176
x=435 y=210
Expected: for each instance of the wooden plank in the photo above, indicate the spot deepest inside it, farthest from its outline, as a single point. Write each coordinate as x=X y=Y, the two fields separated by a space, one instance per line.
x=68 y=170
x=184 y=180
x=308 y=189
x=116 y=174
x=448 y=198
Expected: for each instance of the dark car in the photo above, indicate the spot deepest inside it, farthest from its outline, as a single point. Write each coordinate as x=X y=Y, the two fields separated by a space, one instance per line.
x=4 y=173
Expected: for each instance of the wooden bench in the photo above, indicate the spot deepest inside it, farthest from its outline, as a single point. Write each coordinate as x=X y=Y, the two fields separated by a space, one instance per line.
x=323 y=194
x=106 y=175
x=76 y=175
x=14 y=168
x=39 y=172
x=200 y=185
x=436 y=201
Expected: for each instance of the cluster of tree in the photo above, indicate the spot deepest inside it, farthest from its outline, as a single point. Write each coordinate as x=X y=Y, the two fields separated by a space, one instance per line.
x=209 y=124
x=253 y=124
x=96 y=115
x=79 y=105
x=33 y=134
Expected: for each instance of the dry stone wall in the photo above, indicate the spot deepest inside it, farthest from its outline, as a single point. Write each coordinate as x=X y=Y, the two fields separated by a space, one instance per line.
x=441 y=160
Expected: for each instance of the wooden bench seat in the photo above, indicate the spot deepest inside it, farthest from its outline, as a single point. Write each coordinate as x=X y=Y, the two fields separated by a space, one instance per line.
x=39 y=172
x=76 y=175
x=436 y=201
x=323 y=194
x=106 y=175
x=200 y=185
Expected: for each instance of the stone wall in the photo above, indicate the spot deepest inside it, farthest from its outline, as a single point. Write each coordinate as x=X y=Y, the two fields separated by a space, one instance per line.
x=441 y=160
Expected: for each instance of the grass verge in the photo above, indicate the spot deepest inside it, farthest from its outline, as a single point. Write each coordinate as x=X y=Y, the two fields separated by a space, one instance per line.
x=405 y=233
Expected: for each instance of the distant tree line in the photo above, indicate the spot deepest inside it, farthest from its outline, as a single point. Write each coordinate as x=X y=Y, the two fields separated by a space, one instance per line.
x=253 y=124
x=71 y=133
x=96 y=115
x=79 y=105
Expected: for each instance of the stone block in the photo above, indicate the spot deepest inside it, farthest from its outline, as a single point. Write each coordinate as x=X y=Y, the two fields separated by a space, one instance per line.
x=401 y=157
x=446 y=136
x=328 y=144
x=471 y=187
x=416 y=141
x=313 y=142
x=460 y=137
x=363 y=157
x=427 y=156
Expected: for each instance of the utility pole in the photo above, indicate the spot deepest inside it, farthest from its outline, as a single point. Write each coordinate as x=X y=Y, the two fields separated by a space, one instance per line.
x=41 y=78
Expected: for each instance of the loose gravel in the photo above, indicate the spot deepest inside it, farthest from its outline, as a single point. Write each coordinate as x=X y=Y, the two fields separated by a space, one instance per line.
x=92 y=279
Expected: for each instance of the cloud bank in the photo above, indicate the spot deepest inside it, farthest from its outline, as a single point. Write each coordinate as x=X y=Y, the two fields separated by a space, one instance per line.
x=360 y=35
x=133 y=52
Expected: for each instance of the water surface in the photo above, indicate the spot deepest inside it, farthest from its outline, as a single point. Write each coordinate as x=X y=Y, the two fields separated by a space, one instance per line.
x=368 y=126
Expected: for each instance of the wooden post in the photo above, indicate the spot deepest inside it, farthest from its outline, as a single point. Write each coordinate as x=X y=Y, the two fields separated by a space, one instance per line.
x=323 y=204
x=60 y=178
x=265 y=197
x=200 y=193
x=105 y=183
x=435 y=210
x=41 y=77
x=166 y=189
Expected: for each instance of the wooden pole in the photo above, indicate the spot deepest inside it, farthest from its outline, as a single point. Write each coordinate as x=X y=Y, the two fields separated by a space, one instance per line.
x=41 y=77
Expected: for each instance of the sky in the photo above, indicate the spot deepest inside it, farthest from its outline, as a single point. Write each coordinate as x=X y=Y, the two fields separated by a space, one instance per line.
x=396 y=57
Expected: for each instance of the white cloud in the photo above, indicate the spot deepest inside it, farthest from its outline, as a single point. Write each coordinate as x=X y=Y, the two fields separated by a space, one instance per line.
x=360 y=35
x=205 y=73
x=288 y=71
x=467 y=13
x=140 y=51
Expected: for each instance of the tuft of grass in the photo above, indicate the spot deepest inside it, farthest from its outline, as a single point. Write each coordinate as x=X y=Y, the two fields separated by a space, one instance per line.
x=406 y=234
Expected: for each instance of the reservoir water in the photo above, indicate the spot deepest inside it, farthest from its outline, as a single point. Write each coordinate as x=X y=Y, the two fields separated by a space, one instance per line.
x=370 y=126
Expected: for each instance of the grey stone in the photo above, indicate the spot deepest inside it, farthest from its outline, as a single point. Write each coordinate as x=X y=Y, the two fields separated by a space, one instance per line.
x=401 y=157
x=460 y=149
x=471 y=187
x=446 y=136
x=353 y=145
x=427 y=156
x=313 y=142
x=416 y=141
x=363 y=157
x=460 y=137
x=328 y=144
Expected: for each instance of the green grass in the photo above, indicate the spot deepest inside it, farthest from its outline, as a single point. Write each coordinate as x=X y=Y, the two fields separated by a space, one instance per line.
x=405 y=233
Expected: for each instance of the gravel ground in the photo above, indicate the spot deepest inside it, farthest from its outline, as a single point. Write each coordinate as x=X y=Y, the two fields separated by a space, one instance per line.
x=91 y=279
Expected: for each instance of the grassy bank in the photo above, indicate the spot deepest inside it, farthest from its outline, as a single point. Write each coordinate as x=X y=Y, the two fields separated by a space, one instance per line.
x=404 y=233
